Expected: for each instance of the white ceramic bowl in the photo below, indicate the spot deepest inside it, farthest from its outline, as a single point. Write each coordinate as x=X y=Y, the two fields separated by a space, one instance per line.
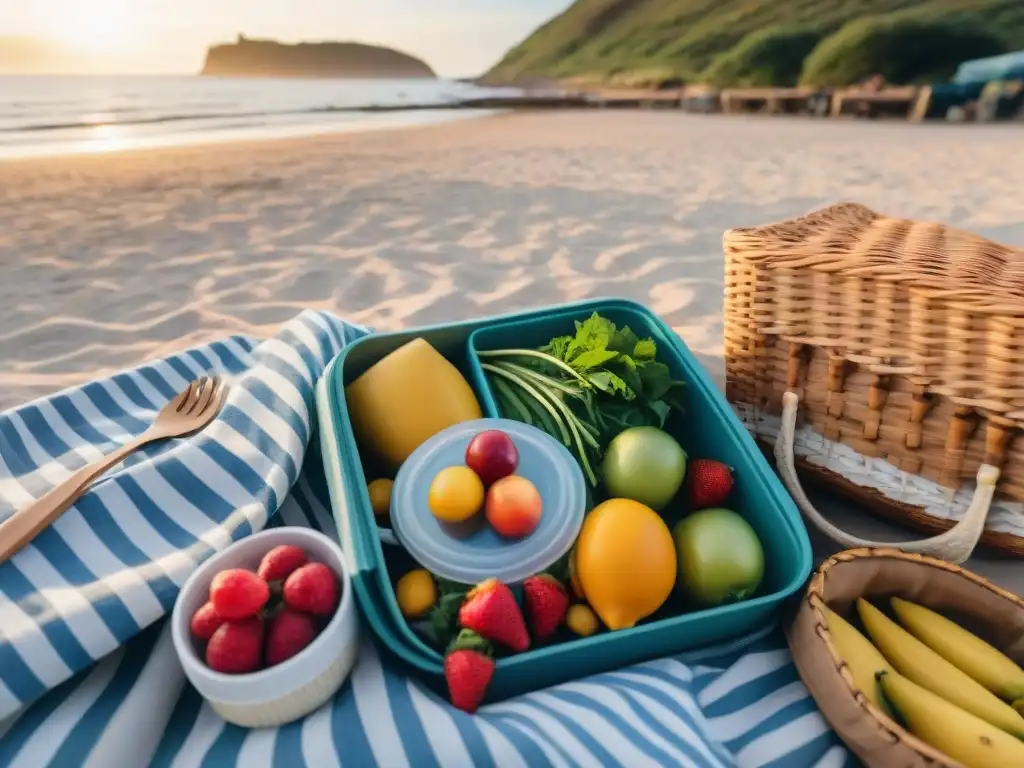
x=293 y=688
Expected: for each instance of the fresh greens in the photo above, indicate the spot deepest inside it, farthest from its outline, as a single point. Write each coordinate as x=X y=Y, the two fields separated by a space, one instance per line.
x=584 y=389
x=443 y=620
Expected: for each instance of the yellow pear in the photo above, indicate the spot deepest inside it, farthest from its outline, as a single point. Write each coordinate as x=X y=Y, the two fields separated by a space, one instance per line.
x=625 y=562
x=405 y=398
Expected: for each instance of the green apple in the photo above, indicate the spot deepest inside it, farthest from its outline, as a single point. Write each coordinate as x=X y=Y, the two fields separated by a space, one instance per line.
x=720 y=558
x=644 y=464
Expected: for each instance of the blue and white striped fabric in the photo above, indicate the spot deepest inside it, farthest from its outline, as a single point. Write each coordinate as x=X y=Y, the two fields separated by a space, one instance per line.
x=88 y=676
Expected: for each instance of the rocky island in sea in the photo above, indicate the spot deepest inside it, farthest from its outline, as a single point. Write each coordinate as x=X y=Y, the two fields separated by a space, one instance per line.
x=268 y=58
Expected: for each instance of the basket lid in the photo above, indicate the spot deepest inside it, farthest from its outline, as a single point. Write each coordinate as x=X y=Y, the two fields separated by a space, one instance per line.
x=853 y=239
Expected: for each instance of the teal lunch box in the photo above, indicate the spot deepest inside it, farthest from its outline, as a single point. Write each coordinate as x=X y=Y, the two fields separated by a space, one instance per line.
x=708 y=428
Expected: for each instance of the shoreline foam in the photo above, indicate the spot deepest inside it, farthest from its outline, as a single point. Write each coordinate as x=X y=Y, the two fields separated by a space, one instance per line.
x=51 y=115
x=358 y=121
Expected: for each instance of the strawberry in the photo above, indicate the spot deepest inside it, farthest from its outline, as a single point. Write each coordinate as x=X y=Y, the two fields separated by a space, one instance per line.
x=546 y=602
x=205 y=622
x=236 y=647
x=238 y=594
x=313 y=588
x=709 y=483
x=490 y=609
x=468 y=669
x=287 y=634
x=278 y=563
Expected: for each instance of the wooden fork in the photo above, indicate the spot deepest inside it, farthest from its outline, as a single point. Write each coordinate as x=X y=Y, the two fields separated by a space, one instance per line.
x=188 y=412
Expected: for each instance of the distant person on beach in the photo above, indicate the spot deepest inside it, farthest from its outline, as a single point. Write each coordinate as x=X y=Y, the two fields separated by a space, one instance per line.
x=874 y=83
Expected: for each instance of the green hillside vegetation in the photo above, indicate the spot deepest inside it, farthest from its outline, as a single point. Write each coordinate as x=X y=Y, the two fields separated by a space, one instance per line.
x=745 y=41
x=773 y=56
x=905 y=50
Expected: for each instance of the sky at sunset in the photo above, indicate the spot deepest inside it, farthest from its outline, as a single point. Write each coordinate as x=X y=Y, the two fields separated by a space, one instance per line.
x=456 y=37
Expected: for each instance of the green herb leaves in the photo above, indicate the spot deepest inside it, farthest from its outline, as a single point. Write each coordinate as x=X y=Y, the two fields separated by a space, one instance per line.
x=443 y=619
x=586 y=388
x=613 y=360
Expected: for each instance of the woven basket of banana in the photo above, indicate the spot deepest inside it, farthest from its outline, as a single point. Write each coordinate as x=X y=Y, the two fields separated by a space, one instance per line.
x=914 y=661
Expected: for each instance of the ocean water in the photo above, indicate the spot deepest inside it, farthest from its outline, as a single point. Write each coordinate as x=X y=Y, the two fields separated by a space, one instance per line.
x=45 y=115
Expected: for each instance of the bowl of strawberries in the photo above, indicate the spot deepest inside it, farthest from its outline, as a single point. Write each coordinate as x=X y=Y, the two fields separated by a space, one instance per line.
x=267 y=629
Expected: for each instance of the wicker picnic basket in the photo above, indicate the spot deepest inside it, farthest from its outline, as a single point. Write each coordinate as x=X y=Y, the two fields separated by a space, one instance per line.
x=885 y=358
x=978 y=605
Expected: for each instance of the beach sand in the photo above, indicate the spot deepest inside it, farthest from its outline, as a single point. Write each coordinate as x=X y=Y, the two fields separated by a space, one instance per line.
x=111 y=260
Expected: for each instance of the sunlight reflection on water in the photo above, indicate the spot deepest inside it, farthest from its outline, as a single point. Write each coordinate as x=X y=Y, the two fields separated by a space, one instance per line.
x=101 y=139
x=105 y=138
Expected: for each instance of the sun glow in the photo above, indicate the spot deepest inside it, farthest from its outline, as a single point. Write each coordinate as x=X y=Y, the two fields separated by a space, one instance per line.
x=96 y=27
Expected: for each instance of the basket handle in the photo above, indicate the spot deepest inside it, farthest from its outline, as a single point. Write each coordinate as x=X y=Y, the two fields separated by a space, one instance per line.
x=955 y=545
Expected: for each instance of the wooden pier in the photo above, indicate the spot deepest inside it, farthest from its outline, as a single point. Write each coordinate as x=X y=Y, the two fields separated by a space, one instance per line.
x=887 y=102
x=909 y=103
x=773 y=101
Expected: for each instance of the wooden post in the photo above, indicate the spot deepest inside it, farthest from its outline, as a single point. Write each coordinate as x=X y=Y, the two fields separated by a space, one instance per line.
x=837 y=103
x=921 y=104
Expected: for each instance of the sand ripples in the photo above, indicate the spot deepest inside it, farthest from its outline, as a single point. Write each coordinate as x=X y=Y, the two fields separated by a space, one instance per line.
x=107 y=262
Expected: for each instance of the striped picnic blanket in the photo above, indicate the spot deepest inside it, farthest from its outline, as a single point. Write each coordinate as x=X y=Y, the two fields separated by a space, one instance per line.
x=88 y=675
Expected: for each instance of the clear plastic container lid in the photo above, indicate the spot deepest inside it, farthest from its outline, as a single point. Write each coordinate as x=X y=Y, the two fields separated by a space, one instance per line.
x=478 y=552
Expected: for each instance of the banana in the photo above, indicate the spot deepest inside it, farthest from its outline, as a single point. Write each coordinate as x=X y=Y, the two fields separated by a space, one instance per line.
x=968 y=652
x=916 y=661
x=949 y=729
x=861 y=657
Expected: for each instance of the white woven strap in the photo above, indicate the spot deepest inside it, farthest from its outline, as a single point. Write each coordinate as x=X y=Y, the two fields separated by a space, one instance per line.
x=955 y=545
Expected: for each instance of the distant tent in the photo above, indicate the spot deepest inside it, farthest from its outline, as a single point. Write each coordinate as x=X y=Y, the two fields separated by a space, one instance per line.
x=1008 y=66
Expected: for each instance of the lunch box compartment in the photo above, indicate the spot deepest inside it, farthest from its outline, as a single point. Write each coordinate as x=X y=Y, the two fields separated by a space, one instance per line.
x=708 y=428
x=373 y=557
